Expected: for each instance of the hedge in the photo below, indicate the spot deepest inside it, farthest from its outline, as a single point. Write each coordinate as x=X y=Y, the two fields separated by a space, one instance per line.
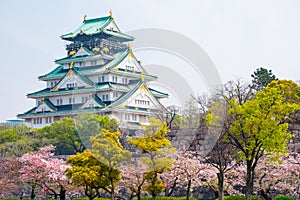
x=281 y=197
x=240 y=197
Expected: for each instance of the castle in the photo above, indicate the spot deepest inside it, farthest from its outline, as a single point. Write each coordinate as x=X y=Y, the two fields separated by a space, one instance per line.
x=100 y=74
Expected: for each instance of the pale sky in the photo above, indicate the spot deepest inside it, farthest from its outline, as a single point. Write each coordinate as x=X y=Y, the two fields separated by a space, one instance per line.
x=238 y=36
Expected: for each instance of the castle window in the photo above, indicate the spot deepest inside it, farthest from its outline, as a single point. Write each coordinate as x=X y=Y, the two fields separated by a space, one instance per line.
x=94 y=62
x=129 y=68
x=71 y=100
x=81 y=64
x=115 y=94
x=114 y=79
x=142 y=102
x=71 y=85
x=134 y=118
x=60 y=101
x=127 y=117
x=124 y=80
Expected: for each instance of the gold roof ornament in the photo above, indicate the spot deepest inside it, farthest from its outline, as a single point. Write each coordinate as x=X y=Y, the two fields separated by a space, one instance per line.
x=110 y=14
x=84 y=17
x=72 y=53
x=130 y=49
x=71 y=65
x=96 y=49
x=142 y=76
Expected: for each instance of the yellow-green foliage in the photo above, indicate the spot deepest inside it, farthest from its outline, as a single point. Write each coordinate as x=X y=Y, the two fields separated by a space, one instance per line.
x=260 y=122
x=108 y=149
x=88 y=172
x=86 y=169
x=154 y=147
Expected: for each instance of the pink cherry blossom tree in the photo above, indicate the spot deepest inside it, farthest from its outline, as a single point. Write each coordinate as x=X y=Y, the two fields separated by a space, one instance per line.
x=272 y=178
x=40 y=169
x=188 y=172
x=134 y=179
x=9 y=177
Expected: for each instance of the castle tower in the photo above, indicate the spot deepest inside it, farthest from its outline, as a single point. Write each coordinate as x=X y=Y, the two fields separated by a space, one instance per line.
x=100 y=74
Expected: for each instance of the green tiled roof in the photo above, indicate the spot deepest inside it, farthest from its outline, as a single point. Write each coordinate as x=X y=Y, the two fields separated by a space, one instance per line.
x=98 y=100
x=127 y=95
x=72 y=59
x=83 y=78
x=119 y=35
x=158 y=93
x=105 y=86
x=57 y=72
x=47 y=91
x=29 y=113
x=96 y=26
x=49 y=104
x=89 y=26
x=119 y=57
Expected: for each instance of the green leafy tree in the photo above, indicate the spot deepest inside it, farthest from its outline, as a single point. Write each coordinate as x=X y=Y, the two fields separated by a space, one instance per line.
x=63 y=134
x=14 y=140
x=88 y=172
x=109 y=151
x=262 y=77
x=154 y=146
x=90 y=124
x=259 y=127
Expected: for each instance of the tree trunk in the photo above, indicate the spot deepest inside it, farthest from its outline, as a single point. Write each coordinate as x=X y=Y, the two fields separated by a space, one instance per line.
x=138 y=194
x=169 y=193
x=188 y=189
x=32 y=195
x=220 y=185
x=62 y=193
x=112 y=195
x=154 y=196
x=249 y=180
x=265 y=195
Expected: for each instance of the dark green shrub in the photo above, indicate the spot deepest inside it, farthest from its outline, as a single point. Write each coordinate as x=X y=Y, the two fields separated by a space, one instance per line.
x=281 y=197
x=240 y=197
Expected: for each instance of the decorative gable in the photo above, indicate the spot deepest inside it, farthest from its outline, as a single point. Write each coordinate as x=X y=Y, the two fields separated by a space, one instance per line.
x=139 y=97
x=45 y=106
x=73 y=80
x=112 y=27
x=130 y=63
x=83 y=52
x=93 y=102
